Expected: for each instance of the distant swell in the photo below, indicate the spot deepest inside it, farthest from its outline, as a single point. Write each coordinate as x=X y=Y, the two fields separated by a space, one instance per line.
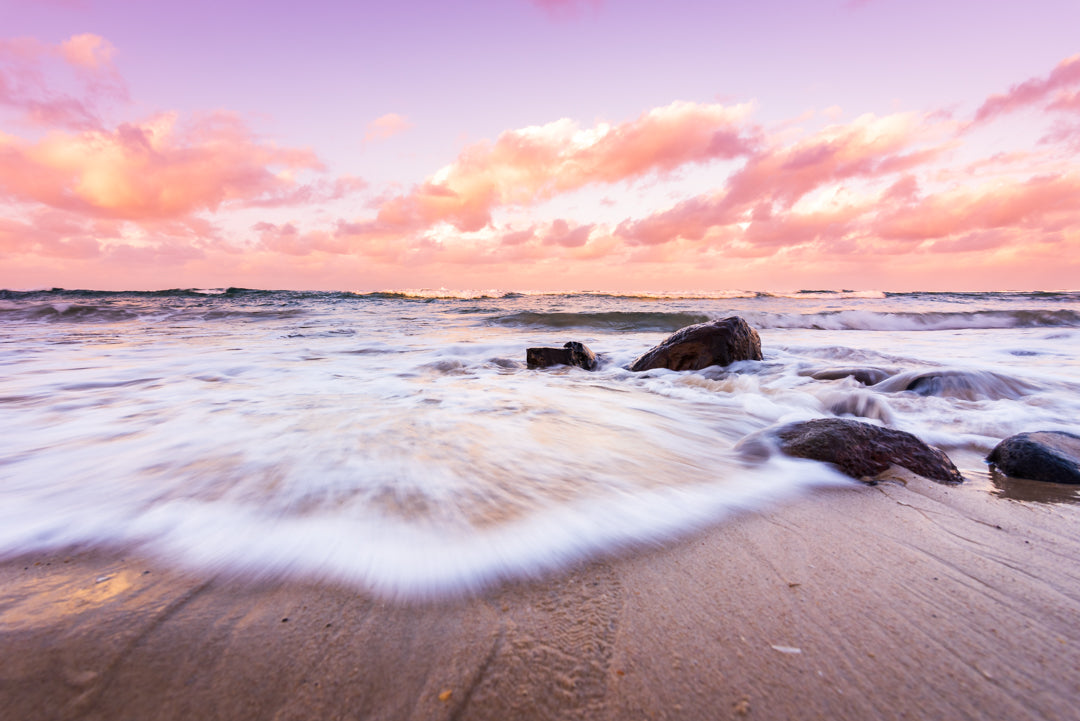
x=830 y=320
x=67 y=312
x=869 y=320
x=613 y=320
x=85 y=313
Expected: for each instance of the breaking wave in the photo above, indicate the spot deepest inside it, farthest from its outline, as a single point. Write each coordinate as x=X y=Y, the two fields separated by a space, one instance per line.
x=611 y=320
x=828 y=320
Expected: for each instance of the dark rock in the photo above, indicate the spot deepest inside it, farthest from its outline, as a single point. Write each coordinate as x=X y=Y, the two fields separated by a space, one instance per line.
x=1052 y=456
x=862 y=450
x=571 y=354
x=718 y=343
x=868 y=376
x=968 y=385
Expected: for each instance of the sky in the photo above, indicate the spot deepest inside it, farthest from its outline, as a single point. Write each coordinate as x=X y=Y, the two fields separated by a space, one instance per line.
x=540 y=144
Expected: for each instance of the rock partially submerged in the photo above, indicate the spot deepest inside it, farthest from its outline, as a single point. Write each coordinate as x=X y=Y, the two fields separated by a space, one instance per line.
x=571 y=354
x=959 y=383
x=863 y=450
x=717 y=343
x=1052 y=456
x=867 y=375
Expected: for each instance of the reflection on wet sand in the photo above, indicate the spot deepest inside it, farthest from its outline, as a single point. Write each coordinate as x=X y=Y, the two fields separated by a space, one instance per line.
x=51 y=591
x=1021 y=489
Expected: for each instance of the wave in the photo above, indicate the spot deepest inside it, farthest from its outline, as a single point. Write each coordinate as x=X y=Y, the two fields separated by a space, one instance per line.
x=830 y=320
x=610 y=320
x=444 y=294
x=67 y=312
x=64 y=312
x=495 y=294
x=828 y=294
x=901 y=321
x=164 y=293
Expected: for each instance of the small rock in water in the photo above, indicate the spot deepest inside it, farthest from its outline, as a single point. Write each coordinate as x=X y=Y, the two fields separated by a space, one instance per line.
x=1052 y=456
x=717 y=343
x=571 y=354
x=863 y=450
x=868 y=375
x=968 y=385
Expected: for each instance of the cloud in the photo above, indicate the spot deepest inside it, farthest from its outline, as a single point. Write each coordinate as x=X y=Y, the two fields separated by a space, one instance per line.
x=1064 y=76
x=88 y=51
x=537 y=163
x=50 y=234
x=317 y=191
x=780 y=175
x=287 y=238
x=152 y=169
x=25 y=64
x=561 y=233
x=385 y=127
x=1034 y=204
x=563 y=9
x=906 y=199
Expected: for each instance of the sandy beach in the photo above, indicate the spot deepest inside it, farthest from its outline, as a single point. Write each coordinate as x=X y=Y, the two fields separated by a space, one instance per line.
x=914 y=601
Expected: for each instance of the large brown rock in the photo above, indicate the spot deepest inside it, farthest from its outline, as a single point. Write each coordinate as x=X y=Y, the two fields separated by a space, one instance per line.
x=863 y=450
x=1052 y=456
x=717 y=343
x=571 y=354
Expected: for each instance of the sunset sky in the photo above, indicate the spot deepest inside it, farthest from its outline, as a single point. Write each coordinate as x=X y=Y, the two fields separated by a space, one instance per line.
x=540 y=144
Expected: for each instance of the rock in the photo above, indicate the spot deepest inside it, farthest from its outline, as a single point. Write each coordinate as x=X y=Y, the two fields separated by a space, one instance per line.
x=862 y=450
x=571 y=354
x=717 y=343
x=867 y=375
x=962 y=384
x=1052 y=456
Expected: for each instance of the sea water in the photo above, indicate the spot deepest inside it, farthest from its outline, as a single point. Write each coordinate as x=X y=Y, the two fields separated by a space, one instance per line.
x=397 y=442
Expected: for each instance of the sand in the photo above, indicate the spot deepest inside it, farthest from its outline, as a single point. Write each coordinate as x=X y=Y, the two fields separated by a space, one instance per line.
x=914 y=601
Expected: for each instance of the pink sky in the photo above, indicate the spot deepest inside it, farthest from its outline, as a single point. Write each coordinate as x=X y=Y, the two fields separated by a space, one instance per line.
x=540 y=144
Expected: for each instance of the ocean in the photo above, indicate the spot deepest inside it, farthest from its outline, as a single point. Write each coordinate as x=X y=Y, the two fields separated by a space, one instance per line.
x=397 y=443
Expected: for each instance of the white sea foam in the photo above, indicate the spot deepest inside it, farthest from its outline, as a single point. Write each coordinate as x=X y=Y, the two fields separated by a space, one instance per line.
x=403 y=446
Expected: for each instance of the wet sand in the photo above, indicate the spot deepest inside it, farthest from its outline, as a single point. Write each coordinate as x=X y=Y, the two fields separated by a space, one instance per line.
x=885 y=602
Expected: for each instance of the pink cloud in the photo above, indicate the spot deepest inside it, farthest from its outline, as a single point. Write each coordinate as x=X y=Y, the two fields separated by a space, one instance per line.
x=867 y=202
x=906 y=189
x=517 y=237
x=867 y=147
x=385 y=127
x=89 y=51
x=561 y=9
x=49 y=234
x=24 y=88
x=1066 y=101
x=780 y=175
x=1033 y=204
x=151 y=169
x=287 y=238
x=537 y=163
x=562 y=234
x=1036 y=90
x=317 y=191
x=827 y=228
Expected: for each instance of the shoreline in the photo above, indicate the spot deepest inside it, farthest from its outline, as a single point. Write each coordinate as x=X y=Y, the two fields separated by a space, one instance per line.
x=887 y=601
